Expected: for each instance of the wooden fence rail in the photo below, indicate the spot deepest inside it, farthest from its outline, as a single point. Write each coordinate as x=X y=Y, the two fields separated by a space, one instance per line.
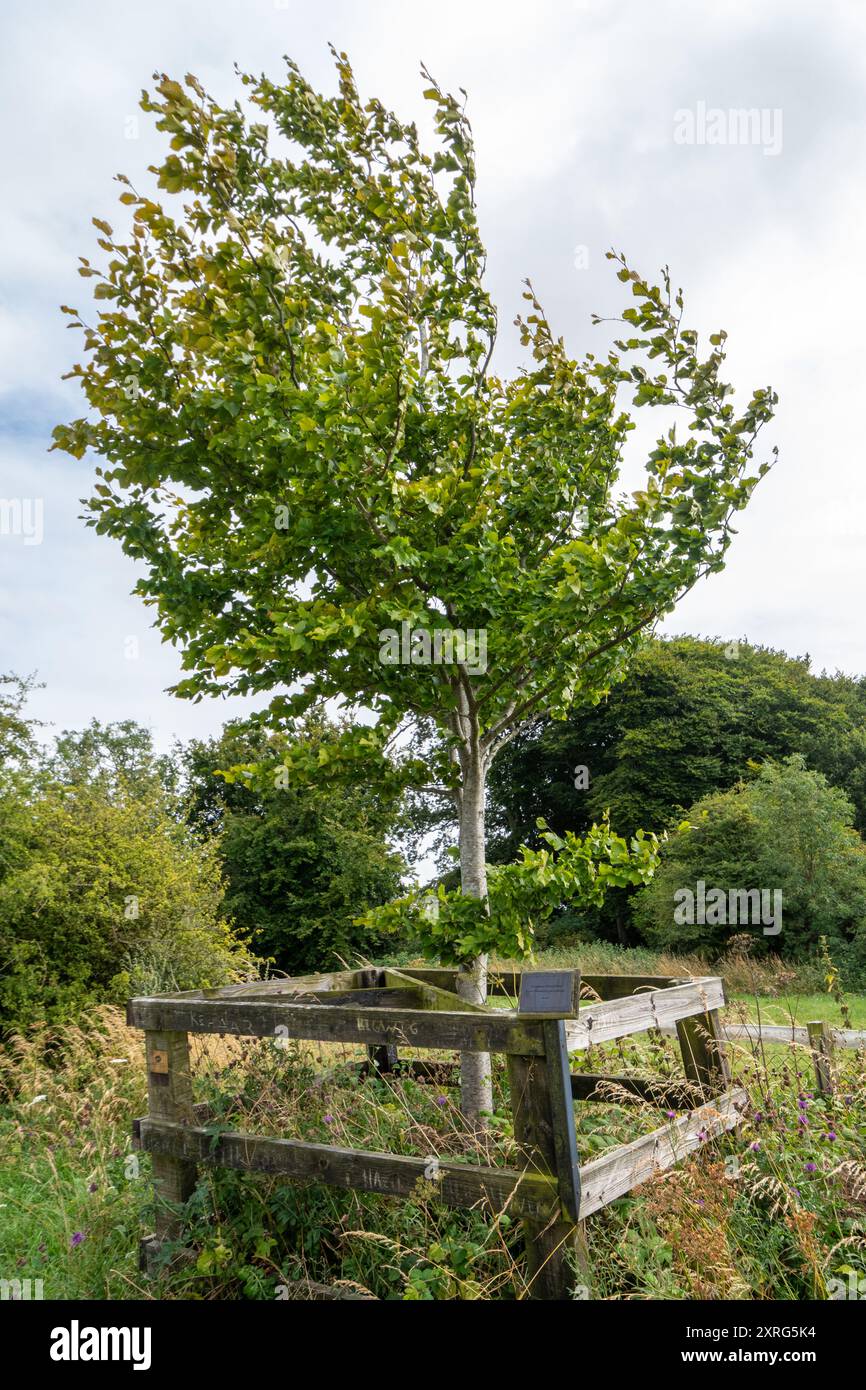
x=792 y=1033
x=819 y=1037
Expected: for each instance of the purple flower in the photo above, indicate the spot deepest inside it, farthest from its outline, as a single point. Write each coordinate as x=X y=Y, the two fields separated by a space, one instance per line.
x=754 y=1147
x=671 y=1114
x=702 y=1136
x=811 y=1167
x=77 y=1238
x=92 y=1187
x=328 y=1119
x=441 y=1100
x=830 y=1135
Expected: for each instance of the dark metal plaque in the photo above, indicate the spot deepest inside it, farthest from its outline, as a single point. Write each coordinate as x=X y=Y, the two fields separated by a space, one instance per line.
x=549 y=993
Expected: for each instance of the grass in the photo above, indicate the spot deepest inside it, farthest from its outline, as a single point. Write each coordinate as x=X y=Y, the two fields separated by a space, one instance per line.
x=743 y=972
x=775 y=1212
x=803 y=1008
x=70 y=1203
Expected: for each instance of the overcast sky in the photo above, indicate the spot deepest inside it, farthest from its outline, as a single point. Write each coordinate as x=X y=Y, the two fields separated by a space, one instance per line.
x=582 y=144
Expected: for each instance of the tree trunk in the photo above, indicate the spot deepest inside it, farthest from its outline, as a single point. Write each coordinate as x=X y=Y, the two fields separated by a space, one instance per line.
x=476 y=1088
x=621 y=934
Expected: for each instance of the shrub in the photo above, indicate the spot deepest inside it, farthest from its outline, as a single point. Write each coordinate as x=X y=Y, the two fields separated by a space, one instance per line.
x=104 y=896
x=787 y=831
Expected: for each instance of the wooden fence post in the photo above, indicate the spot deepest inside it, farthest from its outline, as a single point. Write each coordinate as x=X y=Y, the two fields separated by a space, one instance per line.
x=821 y=1043
x=169 y=1092
x=543 y=1110
x=381 y=1057
x=704 y=1052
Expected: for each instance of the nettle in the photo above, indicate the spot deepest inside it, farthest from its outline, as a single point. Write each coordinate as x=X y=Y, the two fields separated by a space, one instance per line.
x=304 y=442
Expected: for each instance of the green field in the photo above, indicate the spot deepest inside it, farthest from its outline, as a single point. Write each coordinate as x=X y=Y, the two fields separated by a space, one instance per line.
x=802 y=1009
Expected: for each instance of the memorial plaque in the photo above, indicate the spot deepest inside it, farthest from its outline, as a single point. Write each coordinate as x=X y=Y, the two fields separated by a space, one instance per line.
x=549 y=993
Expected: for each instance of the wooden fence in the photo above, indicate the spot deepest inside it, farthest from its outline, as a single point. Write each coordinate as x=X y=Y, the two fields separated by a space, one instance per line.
x=388 y=1010
x=818 y=1037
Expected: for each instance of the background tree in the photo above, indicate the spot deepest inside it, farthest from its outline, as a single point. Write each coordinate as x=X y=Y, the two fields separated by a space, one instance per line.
x=18 y=758
x=17 y=728
x=300 y=861
x=111 y=757
x=104 y=891
x=304 y=443
x=785 y=829
x=689 y=718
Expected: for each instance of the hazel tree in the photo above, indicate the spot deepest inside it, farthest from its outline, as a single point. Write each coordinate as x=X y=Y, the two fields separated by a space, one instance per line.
x=304 y=443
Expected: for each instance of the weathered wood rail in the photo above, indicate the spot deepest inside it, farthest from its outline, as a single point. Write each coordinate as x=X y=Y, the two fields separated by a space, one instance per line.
x=387 y=1010
x=793 y=1033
